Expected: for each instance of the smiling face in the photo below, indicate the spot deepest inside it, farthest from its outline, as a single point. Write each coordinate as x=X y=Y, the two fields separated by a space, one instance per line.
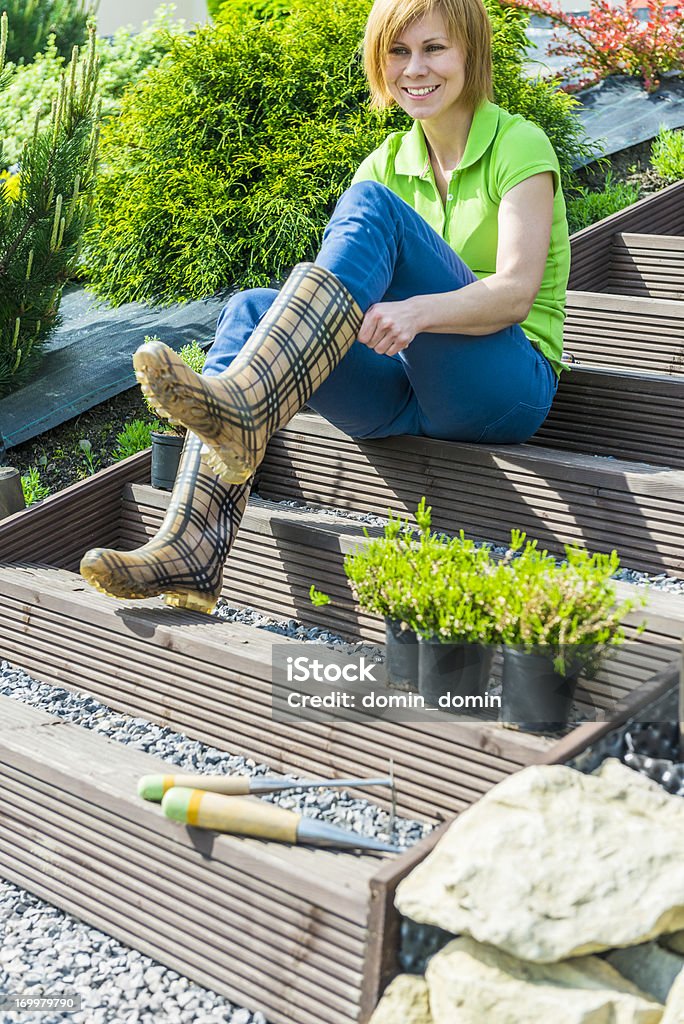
x=425 y=70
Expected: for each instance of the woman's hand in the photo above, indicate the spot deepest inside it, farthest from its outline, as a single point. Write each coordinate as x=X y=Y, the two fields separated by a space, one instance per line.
x=390 y=327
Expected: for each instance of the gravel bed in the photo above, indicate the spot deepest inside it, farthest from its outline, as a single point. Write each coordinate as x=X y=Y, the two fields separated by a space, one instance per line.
x=337 y=807
x=44 y=950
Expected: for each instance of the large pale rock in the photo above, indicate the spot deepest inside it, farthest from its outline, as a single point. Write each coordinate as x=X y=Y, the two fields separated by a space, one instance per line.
x=674 y=1008
x=648 y=966
x=552 y=863
x=470 y=983
x=405 y=1002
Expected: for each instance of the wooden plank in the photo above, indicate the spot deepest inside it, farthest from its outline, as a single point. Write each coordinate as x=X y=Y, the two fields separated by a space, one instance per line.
x=625 y=331
x=657 y=243
x=88 y=509
x=384 y=922
x=631 y=416
x=73 y=797
x=659 y=213
x=557 y=497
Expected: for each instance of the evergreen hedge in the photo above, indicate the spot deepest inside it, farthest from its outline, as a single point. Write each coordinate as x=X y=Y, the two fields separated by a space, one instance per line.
x=227 y=159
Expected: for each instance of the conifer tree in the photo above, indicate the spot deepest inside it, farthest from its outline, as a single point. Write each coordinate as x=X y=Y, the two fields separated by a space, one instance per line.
x=31 y=22
x=41 y=229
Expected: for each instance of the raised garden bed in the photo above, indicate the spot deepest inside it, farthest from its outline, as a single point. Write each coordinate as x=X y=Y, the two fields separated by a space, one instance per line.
x=212 y=681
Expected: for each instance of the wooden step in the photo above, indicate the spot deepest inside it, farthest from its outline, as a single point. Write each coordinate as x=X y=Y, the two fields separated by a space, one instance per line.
x=651 y=265
x=625 y=332
x=58 y=530
x=279 y=928
x=213 y=681
x=556 y=497
x=661 y=213
x=307 y=936
x=280 y=552
x=625 y=414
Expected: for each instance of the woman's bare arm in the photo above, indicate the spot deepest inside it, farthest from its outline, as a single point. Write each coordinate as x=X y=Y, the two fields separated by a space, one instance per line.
x=486 y=306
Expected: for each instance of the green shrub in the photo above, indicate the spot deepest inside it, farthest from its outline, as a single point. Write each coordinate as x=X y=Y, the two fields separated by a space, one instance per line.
x=587 y=207
x=228 y=158
x=667 y=154
x=31 y=22
x=123 y=59
x=41 y=228
x=225 y=10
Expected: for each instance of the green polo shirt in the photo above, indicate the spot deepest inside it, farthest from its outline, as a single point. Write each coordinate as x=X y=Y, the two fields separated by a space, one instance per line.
x=502 y=150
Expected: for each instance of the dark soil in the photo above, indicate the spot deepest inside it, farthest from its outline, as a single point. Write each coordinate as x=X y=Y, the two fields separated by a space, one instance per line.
x=58 y=455
x=631 y=166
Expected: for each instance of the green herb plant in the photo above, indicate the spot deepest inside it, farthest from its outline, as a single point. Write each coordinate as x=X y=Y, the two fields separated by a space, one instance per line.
x=135 y=437
x=569 y=608
x=585 y=207
x=33 y=488
x=436 y=586
x=90 y=460
x=667 y=154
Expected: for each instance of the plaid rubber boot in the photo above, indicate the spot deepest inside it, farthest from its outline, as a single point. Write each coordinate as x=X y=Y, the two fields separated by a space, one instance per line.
x=294 y=348
x=184 y=561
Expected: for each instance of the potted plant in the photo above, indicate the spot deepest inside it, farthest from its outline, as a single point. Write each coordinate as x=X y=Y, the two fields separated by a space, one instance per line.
x=429 y=589
x=456 y=632
x=556 y=621
x=382 y=576
x=168 y=439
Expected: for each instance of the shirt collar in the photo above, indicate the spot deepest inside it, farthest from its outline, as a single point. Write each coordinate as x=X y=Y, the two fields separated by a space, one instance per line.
x=412 y=156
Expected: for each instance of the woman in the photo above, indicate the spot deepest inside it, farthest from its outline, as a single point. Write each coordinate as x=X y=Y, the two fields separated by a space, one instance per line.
x=434 y=307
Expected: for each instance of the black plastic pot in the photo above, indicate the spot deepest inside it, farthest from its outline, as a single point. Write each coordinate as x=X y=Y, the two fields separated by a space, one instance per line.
x=453 y=672
x=534 y=696
x=401 y=659
x=166 y=453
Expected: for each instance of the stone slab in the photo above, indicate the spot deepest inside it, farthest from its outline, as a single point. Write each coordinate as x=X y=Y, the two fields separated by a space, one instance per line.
x=405 y=1000
x=470 y=983
x=552 y=863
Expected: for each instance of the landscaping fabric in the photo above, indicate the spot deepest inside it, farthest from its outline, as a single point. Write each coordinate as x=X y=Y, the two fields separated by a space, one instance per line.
x=88 y=359
x=619 y=113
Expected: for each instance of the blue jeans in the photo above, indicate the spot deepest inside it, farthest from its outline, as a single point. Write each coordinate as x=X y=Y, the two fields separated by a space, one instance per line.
x=496 y=387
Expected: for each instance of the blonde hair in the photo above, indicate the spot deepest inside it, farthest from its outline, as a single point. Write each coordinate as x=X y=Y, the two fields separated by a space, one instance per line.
x=467 y=23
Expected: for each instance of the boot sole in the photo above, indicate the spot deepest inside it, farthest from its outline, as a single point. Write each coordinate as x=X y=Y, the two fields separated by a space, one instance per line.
x=193 y=602
x=221 y=457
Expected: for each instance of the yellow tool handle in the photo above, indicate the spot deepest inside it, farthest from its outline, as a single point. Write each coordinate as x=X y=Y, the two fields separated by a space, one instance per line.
x=230 y=814
x=153 y=787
